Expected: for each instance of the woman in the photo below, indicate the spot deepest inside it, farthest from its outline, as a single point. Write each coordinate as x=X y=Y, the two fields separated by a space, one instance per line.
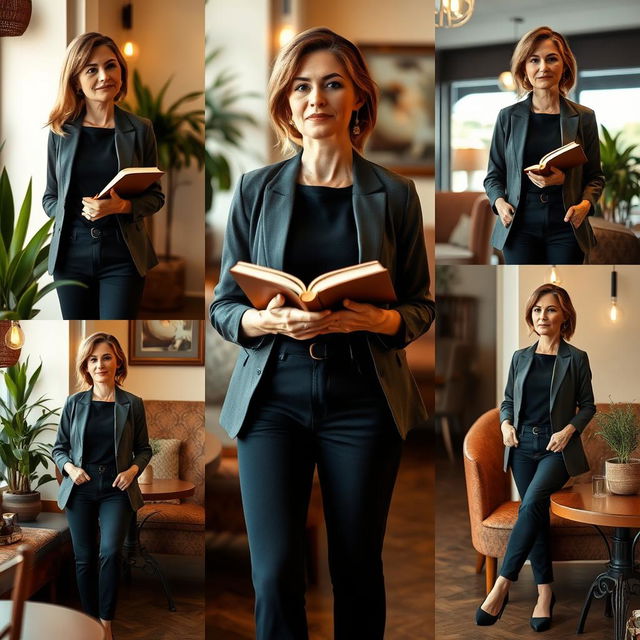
x=102 y=243
x=329 y=389
x=101 y=448
x=547 y=403
x=543 y=219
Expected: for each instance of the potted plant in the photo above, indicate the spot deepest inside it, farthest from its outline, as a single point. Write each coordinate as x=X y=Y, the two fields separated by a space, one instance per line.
x=180 y=140
x=22 y=262
x=146 y=477
x=621 y=171
x=21 y=451
x=619 y=427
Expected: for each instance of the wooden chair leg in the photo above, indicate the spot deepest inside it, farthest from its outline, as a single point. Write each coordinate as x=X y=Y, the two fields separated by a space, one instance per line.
x=490 y=572
x=479 y=562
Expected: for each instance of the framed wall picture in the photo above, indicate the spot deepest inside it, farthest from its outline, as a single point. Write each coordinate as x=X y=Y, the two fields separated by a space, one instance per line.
x=174 y=342
x=404 y=137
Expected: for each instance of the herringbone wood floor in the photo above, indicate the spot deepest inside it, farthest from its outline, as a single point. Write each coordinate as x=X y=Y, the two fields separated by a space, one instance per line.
x=459 y=590
x=408 y=559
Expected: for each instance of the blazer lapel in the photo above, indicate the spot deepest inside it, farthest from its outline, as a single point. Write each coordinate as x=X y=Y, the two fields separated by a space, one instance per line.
x=521 y=375
x=369 y=208
x=69 y=146
x=80 y=421
x=563 y=360
x=124 y=138
x=519 y=126
x=568 y=122
x=121 y=412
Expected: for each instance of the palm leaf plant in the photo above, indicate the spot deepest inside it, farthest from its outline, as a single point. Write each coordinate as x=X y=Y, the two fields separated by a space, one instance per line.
x=179 y=136
x=23 y=422
x=622 y=177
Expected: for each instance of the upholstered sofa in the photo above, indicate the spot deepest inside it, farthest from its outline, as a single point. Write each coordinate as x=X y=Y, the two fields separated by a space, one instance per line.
x=492 y=512
x=177 y=528
x=616 y=244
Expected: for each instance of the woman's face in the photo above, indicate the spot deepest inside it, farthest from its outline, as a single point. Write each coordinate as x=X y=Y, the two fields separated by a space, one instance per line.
x=102 y=364
x=547 y=316
x=101 y=78
x=322 y=97
x=544 y=66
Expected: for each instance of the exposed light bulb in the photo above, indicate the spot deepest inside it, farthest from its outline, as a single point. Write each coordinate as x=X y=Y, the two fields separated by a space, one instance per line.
x=286 y=35
x=130 y=50
x=613 y=310
x=14 y=338
x=554 y=278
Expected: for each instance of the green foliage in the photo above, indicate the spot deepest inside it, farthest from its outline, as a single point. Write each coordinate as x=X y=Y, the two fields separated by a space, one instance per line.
x=22 y=262
x=23 y=421
x=223 y=126
x=620 y=429
x=622 y=177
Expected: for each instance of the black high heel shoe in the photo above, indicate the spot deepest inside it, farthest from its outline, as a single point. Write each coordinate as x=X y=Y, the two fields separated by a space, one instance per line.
x=542 y=624
x=484 y=619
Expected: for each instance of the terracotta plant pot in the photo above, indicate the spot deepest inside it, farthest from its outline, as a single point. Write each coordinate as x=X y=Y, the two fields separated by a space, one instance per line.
x=164 y=286
x=27 y=506
x=146 y=477
x=623 y=478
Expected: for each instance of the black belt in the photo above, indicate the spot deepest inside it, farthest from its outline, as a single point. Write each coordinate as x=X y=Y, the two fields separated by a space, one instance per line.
x=327 y=349
x=536 y=429
x=544 y=198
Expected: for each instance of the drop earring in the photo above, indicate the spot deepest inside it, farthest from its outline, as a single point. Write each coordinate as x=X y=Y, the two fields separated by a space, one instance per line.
x=356 y=126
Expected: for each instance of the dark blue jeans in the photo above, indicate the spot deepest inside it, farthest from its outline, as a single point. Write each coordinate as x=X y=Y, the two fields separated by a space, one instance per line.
x=97 y=507
x=104 y=264
x=330 y=414
x=537 y=473
x=541 y=236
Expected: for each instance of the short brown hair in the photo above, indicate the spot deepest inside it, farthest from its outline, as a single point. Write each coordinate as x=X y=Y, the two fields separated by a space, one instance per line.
x=526 y=47
x=88 y=346
x=564 y=302
x=284 y=70
x=69 y=103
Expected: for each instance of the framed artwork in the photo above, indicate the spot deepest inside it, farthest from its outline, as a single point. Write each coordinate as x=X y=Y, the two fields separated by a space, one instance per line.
x=404 y=137
x=174 y=342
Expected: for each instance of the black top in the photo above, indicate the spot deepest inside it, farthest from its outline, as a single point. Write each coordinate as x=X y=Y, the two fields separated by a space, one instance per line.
x=95 y=165
x=536 y=392
x=543 y=135
x=99 y=436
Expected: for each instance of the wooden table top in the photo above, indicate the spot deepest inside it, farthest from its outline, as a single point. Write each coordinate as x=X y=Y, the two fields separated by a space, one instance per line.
x=42 y=620
x=578 y=503
x=167 y=489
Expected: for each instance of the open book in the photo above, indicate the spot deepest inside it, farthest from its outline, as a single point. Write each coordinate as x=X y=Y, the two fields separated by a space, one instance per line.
x=563 y=158
x=367 y=282
x=132 y=181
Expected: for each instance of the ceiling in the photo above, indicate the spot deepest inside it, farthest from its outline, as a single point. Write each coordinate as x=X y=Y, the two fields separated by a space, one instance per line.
x=491 y=21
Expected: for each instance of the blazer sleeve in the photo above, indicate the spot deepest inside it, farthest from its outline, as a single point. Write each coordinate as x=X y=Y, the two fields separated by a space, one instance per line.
x=593 y=178
x=506 y=408
x=412 y=281
x=152 y=199
x=496 y=178
x=62 y=447
x=229 y=301
x=50 y=197
x=141 y=448
x=584 y=395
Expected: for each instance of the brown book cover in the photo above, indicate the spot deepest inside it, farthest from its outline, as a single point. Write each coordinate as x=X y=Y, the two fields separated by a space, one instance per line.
x=563 y=158
x=132 y=181
x=366 y=282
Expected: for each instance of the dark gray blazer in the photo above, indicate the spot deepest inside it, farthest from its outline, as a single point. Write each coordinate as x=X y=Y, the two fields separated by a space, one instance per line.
x=135 y=147
x=570 y=399
x=130 y=439
x=505 y=172
x=389 y=227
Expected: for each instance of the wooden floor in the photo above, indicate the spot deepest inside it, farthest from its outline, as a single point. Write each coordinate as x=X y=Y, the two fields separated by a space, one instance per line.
x=459 y=590
x=408 y=559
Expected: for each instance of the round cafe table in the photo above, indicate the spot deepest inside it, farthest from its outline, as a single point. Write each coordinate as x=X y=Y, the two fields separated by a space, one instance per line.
x=136 y=555
x=41 y=620
x=621 y=579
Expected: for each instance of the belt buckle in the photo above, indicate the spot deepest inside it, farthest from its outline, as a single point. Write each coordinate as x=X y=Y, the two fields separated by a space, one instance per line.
x=544 y=198
x=102 y=468
x=313 y=355
x=536 y=431
x=95 y=233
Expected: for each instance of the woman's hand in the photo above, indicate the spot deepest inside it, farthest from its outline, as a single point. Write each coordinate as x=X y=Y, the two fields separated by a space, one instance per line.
x=509 y=437
x=577 y=213
x=78 y=475
x=505 y=211
x=560 y=439
x=125 y=478
x=556 y=177
x=93 y=209
x=288 y=321
x=359 y=316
